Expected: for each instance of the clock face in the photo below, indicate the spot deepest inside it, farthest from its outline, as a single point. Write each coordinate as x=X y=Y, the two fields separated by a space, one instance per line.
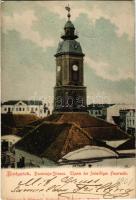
x=58 y=68
x=75 y=68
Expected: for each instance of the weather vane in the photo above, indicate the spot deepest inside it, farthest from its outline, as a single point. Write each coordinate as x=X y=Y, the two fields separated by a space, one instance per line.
x=68 y=9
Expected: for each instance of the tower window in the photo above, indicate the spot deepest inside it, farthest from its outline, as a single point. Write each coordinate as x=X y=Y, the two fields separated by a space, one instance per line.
x=75 y=72
x=75 y=76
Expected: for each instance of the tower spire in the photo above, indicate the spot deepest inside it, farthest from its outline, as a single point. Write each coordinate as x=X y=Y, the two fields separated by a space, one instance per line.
x=69 y=91
x=68 y=9
x=69 y=29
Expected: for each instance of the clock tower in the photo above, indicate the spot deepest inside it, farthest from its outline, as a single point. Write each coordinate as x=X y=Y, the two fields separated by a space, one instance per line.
x=69 y=92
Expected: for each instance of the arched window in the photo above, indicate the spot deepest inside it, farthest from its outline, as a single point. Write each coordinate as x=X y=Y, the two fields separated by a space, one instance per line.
x=75 y=72
x=75 y=75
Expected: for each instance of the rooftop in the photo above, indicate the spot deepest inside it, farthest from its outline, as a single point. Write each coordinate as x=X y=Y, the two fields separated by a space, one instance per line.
x=28 y=102
x=53 y=140
x=11 y=122
x=69 y=46
x=127 y=110
x=96 y=128
x=99 y=106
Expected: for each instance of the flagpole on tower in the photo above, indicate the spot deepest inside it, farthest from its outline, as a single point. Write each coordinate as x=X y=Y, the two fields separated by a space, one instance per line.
x=68 y=9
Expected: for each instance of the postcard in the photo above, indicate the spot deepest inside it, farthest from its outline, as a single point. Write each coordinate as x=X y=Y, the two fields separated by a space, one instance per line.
x=68 y=100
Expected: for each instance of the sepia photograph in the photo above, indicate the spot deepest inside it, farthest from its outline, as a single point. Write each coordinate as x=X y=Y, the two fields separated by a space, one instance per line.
x=67 y=95
x=68 y=121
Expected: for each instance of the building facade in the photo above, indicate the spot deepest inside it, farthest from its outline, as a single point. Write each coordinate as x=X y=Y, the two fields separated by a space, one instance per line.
x=113 y=111
x=98 y=110
x=25 y=107
x=128 y=120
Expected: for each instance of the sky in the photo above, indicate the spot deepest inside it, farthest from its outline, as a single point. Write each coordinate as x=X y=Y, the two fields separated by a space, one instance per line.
x=30 y=36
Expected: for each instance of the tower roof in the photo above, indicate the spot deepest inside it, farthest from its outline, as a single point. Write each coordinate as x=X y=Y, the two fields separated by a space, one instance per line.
x=53 y=140
x=70 y=47
x=97 y=128
x=69 y=25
